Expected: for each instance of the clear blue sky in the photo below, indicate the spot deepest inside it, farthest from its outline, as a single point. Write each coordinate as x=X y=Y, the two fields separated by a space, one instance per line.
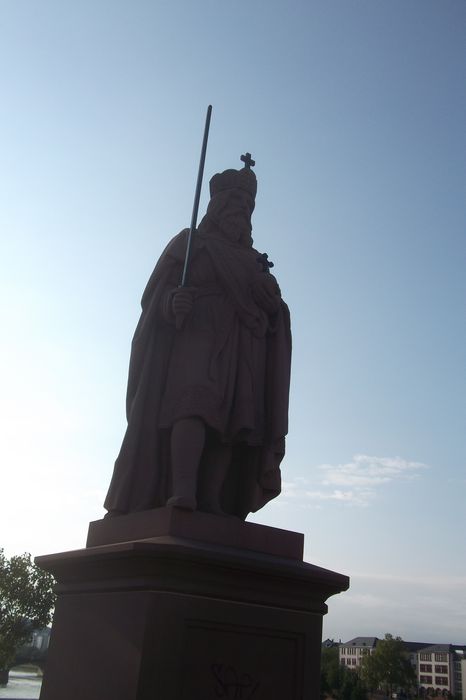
x=355 y=112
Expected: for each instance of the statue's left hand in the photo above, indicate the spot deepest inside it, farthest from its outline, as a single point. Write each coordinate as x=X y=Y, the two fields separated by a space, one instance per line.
x=266 y=292
x=182 y=304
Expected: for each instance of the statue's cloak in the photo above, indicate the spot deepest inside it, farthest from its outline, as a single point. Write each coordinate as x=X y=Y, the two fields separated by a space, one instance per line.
x=141 y=478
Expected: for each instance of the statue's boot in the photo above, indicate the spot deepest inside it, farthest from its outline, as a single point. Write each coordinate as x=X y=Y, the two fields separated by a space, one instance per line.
x=213 y=475
x=184 y=480
x=187 y=442
x=184 y=502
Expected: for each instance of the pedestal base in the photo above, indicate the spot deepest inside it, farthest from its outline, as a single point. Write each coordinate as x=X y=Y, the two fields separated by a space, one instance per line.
x=165 y=617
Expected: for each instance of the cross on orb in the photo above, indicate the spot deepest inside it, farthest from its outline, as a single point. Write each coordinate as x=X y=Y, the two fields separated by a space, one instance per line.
x=248 y=161
x=266 y=264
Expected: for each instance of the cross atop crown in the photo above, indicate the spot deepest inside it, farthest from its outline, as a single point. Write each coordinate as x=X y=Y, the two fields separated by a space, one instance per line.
x=248 y=161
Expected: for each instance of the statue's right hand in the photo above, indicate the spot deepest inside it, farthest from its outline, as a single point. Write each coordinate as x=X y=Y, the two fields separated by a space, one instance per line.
x=182 y=301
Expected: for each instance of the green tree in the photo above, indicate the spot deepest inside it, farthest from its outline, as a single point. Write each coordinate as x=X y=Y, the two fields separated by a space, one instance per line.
x=353 y=687
x=337 y=680
x=330 y=671
x=26 y=602
x=388 y=667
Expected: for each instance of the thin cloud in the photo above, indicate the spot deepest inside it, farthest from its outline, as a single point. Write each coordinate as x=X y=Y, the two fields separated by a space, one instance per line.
x=354 y=496
x=366 y=471
x=354 y=483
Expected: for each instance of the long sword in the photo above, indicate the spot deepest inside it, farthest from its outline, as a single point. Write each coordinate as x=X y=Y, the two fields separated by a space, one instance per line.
x=197 y=197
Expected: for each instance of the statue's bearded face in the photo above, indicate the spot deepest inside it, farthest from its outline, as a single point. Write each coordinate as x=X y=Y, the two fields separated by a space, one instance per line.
x=231 y=210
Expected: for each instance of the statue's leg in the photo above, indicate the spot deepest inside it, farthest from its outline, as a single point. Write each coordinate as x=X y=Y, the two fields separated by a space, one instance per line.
x=214 y=468
x=187 y=443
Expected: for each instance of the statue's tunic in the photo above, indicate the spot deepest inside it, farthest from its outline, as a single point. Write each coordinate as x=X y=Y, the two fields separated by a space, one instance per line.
x=229 y=364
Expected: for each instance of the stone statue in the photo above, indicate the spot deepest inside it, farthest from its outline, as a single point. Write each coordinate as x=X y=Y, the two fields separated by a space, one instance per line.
x=207 y=399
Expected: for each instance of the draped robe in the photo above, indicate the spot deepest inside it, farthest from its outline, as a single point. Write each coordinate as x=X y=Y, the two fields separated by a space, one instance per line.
x=229 y=364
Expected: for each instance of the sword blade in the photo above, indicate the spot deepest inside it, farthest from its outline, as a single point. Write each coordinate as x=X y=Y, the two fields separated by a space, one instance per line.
x=197 y=196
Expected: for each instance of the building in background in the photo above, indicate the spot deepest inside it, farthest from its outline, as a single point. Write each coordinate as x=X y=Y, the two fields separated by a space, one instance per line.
x=35 y=650
x=440 y=668
x=463 y=675
x=352 y=652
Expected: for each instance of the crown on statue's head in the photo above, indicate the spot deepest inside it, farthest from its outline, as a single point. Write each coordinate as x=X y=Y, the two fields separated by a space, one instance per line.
x=243 y=179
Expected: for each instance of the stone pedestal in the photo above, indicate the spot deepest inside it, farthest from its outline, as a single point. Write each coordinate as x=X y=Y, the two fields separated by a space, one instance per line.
x=166 y=605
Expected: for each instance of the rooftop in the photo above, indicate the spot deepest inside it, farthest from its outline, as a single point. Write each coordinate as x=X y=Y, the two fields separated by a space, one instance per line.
x=361 y=642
